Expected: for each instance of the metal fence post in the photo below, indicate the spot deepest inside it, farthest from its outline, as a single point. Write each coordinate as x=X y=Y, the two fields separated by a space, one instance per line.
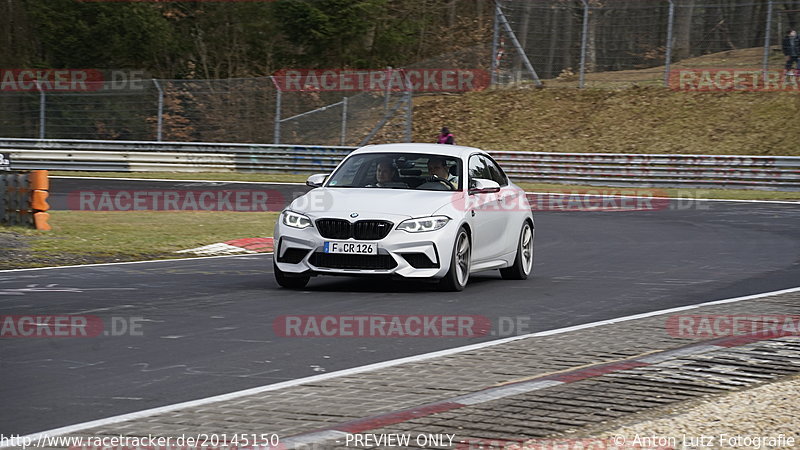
x=277 y=137
x=160 y=119
x=584 y=44
x=767 y=33
x=495 y=44
x=670 y=33
x=344 y=121
x=42 y=113
x=388 y=91
x=520 y=51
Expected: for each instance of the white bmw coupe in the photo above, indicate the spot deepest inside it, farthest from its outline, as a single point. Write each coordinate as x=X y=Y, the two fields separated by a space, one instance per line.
x=429 y=211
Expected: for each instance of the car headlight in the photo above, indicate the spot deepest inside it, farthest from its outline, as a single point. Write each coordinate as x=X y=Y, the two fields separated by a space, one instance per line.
x=423 y=224
x=295 y=220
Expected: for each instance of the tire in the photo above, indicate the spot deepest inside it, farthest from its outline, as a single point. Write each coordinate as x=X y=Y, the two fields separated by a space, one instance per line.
x=523 y=263
x=457 y=277
x=289 y=281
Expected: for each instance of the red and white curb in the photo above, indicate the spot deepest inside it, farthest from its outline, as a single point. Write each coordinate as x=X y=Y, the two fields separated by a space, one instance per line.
x=236 y=246
x=338 y=432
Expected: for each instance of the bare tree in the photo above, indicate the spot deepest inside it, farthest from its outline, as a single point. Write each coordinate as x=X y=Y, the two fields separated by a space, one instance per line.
x=684 y=12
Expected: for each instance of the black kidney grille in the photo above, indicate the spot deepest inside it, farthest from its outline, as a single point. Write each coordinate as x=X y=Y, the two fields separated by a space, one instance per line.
x=334 y=228
x=368 y=230
x=371 y=230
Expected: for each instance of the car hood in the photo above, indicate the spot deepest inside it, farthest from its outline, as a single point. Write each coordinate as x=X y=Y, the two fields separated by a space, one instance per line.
x=372 y=202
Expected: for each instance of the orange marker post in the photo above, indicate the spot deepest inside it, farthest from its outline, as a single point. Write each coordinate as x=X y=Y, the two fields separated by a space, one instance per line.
x=39 y=185
x=40 y=221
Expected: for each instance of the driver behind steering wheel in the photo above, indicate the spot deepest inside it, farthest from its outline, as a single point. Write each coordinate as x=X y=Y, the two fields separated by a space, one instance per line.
x=437 y=167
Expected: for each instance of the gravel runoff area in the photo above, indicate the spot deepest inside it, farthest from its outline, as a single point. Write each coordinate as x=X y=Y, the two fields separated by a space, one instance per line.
x=735 y=420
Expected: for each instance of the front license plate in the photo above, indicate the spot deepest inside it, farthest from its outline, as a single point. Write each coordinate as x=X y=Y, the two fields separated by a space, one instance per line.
x=352 y=248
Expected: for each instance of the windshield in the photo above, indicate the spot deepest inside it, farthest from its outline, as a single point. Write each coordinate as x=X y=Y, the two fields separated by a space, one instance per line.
x=427 y=172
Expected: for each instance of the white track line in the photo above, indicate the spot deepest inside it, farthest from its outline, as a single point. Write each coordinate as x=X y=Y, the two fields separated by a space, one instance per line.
x=133 y=262
x=376 y=366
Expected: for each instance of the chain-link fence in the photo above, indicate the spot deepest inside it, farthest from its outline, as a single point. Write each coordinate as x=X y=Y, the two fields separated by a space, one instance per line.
x=615 y=43
x=338 y=109
x=555 y=43
x=257 y=110
x=97 y=114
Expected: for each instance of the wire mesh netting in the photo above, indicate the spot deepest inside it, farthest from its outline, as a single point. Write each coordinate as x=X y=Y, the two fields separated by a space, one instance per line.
x=19 y=114
x=327 y=111
x=338 y=114
x=614 y=43
x=250 y=110
x=562 y=43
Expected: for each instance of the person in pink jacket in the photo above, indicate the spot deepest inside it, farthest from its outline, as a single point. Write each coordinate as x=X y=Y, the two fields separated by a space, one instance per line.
x=446 y=137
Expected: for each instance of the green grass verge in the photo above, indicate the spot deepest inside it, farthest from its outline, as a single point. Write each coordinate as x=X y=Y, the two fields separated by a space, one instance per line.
x=126 y=235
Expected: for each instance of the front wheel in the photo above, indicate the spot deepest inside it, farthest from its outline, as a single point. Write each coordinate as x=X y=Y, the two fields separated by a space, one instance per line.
x=289 y=281
x=523 y=263
x=458 y=275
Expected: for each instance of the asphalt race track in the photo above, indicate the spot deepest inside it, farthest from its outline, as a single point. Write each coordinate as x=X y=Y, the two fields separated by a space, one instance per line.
x=207 y=324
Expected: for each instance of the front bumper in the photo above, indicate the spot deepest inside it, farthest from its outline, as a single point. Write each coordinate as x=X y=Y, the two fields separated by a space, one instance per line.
x=409 y=255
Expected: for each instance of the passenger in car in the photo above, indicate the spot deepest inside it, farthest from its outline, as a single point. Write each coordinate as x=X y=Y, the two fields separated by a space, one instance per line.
x=438 y=167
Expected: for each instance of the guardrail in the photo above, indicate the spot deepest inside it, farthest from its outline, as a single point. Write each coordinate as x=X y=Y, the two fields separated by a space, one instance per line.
x=148 y=156
x=711 y=171
x=608 y=169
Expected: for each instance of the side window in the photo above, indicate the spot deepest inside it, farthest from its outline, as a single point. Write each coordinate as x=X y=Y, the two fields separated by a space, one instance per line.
x=483 y=167
x=496 y=174
x=477 y=168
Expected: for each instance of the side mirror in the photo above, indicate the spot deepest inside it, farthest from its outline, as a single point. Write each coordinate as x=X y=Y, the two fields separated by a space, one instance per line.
x=483 y=186
x=316 y=180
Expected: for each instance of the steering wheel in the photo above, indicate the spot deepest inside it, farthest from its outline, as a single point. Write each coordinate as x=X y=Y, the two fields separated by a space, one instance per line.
x=446 y=182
